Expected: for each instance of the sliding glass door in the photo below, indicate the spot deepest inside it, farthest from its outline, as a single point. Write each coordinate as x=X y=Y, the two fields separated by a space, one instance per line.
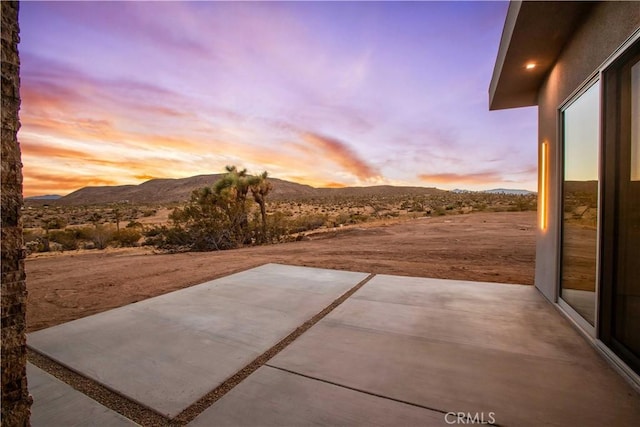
x=620 y=324
x=581 y=148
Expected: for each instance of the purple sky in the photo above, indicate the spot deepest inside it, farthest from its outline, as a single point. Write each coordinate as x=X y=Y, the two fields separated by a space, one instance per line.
x=319 y=93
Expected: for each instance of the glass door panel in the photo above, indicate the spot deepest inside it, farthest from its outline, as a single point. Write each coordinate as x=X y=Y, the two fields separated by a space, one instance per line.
x=620 y=299
x=581 y=142
x=626 y=325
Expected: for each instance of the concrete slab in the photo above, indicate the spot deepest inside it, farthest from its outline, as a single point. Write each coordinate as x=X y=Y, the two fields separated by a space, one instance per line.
x=271 y=397
x=464 y=346
x=167 y=352
x=490 y=315
x=58 y=404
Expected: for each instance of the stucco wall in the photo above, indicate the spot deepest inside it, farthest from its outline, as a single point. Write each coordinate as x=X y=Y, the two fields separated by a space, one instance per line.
x=15 y=397
x=606 y=28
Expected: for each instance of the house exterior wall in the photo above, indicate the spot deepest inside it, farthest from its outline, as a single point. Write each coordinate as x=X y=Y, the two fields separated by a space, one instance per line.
x=15 y=397
x=603 y=31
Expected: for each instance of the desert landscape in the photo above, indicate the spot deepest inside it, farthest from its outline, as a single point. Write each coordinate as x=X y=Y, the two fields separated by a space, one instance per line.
x=485 y=246
x=103 y=247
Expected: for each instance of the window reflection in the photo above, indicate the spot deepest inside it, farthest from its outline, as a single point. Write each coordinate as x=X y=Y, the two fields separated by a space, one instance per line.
x=581 y=130
x=627 y=284
x=635 y=123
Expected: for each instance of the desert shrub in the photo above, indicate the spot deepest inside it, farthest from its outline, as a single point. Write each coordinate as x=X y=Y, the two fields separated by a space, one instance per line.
x=95 y=217
x=30 y=235
x=358 y=217
x=127 y=237
x=349 y=218
x=342 y=219
x=34 y=241
x=525 y=203
x=32 y=246
x=153 y=236
x=220 y=216
x=67 y=239
x=102 y=235
x=416 y=206
x=164 y=237
x=152 y=232
x=278 y=225
x=413 y=205
x=207 y=222
x=134 y=224
x=55 y=247
x=179 y=238
x=84 y=233
x=55 y=223
x=307 y=222
x=439 y=211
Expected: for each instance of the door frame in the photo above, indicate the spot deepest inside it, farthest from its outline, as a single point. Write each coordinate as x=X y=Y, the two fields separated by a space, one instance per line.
x=576 y=317
x=593 y=336
x=610 y=229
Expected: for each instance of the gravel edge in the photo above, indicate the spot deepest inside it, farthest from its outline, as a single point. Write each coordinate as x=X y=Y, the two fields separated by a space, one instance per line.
x=101 y=394
x=210 y=398
x=147 y=417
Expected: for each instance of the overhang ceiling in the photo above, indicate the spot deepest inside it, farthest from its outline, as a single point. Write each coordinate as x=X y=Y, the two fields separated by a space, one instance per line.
x=534 y=32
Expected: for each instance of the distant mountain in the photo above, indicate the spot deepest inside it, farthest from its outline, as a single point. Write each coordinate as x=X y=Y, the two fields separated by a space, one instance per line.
x=498 y=191
x=45 y=197
x=179 y=190
x=152 y=191
x=509 y=191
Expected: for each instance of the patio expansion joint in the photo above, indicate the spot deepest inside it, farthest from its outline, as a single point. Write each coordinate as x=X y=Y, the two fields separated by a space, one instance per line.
x=143 y=415
x=100 y=393
x=214 y=395
x=359 y=390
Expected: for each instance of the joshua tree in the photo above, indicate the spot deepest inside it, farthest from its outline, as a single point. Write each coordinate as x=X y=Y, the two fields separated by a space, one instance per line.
x=260 y=187
x=118 y=216
x=216 y=217
x=232 y=190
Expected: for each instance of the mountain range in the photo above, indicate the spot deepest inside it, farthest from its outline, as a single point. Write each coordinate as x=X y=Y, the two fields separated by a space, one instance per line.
x=162 y=191
x=44 y=197
x=510 y=191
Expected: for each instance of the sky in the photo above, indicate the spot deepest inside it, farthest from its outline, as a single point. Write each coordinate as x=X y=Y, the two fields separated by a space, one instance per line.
x=581 y=123
x=320 y=93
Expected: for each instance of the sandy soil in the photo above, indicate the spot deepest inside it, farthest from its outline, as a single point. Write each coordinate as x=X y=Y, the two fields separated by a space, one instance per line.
x=492 y=247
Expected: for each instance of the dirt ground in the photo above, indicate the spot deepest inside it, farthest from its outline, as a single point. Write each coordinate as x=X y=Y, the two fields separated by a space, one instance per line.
x=490 y=247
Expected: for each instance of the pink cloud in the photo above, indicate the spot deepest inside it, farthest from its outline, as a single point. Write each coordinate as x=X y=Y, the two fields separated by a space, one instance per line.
x=340 y=153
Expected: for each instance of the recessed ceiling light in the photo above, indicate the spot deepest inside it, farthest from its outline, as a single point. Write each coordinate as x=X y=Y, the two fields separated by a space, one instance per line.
x=530 y=66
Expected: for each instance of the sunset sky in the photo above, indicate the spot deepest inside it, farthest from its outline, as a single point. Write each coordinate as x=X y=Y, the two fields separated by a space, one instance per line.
x=326 y=94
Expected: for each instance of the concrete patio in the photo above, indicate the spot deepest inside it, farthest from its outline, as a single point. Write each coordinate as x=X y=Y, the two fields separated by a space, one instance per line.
x=399 y=351
x=57 y=404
